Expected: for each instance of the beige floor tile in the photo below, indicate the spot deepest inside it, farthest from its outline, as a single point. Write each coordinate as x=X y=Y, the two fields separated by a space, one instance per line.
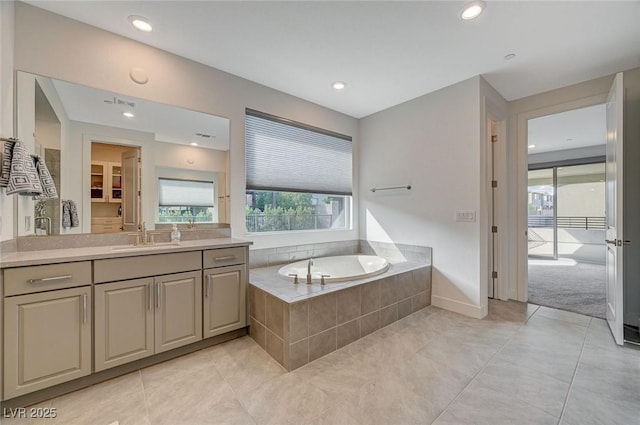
x=588 y=408
x=566 y=316
x=194 y=391
x=287 y=399
x=121 y=399
x=524 y=385
x=482 y=405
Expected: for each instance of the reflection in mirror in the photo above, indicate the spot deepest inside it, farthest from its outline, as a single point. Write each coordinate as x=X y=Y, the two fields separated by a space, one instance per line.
x=108 y=152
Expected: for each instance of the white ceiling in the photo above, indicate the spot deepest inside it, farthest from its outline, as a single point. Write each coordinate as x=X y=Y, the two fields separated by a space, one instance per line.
x=578 y=128
x=387 y=52
x=168 y=123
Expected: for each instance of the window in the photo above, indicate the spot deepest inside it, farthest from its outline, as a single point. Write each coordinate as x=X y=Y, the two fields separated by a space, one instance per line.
x=182 y=201
x=298 y=177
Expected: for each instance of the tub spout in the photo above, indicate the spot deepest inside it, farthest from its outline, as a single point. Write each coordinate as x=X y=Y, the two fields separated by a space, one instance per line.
x=309 y=264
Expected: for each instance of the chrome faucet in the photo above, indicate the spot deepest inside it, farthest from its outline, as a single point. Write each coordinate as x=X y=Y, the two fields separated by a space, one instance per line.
x=309 y=264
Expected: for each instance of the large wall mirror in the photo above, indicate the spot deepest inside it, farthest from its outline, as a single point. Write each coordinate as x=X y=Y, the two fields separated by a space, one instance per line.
x=118 y=161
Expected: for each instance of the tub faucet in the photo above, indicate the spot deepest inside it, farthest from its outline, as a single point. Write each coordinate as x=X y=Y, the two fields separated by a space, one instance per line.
x=309 y=264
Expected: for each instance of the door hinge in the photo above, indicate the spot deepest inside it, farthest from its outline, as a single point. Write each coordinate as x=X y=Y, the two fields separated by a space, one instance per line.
x=139 y=160
x=494 y=275
x=494 y=138
x=494 y=183
x=139 y=193
x=494 y=229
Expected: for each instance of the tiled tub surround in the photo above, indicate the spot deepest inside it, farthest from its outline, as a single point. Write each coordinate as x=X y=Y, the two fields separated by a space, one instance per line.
x=394 y=253
x=297 y=324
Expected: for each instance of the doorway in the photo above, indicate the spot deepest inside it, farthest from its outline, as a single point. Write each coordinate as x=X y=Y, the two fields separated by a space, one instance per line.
x=566 y=211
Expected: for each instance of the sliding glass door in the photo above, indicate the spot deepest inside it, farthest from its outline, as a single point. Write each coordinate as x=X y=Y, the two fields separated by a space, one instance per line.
x=566 y=212
x=542 y=230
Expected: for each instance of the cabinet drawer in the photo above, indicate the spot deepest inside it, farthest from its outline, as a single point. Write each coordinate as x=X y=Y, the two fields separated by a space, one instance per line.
x=113 y=269
x=27 y=280
x=223 y=257
x=106 y=220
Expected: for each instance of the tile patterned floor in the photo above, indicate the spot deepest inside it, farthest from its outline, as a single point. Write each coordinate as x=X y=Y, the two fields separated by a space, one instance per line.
x=523 y=364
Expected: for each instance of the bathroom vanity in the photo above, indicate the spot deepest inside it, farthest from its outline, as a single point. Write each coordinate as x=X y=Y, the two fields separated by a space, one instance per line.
x=73 y=317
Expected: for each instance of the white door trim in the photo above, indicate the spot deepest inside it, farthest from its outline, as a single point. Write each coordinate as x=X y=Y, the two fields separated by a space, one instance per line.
x=519 y=287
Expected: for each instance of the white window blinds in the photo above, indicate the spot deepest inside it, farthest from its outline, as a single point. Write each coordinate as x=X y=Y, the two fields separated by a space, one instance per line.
x=185 y=193
x=286 y=156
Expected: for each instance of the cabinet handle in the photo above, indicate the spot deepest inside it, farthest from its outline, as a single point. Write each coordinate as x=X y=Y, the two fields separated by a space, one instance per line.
x=84 y=308
x=149 y=294
x=229 y=257
x=50 y=279
x=206 y=286
x=158 y=294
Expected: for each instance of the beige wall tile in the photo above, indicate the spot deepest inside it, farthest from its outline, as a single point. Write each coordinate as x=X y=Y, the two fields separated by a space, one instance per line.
x=298 y=354
x=388 y=315
x=348 y=304
x=348 y=333
x=369 y=323
x=404 y=308
x=405 y=285
x=275 y=347
x=322 y=313
x=388 y=291
x=419 y=301
x=322 y=344
x=370 y=294
x=275 y=315
x=257 y=303
x=258 y=333
x=298 y=321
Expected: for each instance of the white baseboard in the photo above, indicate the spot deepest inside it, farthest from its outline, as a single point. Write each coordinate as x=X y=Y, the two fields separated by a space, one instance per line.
x=475 y=311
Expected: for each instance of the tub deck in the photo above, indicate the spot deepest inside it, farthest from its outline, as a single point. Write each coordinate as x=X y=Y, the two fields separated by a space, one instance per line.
x=297 y=324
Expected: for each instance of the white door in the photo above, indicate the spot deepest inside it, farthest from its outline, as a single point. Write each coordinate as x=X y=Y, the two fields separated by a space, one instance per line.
x=614 y=209
x=131 y=190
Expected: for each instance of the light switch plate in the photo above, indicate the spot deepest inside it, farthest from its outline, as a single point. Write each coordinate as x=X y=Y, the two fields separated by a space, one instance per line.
x=465 y=216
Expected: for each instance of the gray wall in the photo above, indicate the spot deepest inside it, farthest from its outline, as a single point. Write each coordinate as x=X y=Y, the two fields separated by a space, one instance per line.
x=631 y=156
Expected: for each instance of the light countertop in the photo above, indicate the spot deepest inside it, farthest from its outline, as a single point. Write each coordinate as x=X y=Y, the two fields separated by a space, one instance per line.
x=65 y=255
x=268 y=279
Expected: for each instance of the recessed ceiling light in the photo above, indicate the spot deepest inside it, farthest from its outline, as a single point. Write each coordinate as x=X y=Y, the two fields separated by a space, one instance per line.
x=128 y=114
x=532 y=146
x=509 y=56
x=472 y=10
x=140 y=23
x=339 y=85
x=194 y=144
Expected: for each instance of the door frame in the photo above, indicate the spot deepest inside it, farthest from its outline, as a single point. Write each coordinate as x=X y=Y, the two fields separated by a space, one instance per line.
x=87 y=140
x=520 y=292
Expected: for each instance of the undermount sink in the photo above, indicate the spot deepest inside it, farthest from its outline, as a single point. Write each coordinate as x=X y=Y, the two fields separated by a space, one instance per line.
x=145 y=247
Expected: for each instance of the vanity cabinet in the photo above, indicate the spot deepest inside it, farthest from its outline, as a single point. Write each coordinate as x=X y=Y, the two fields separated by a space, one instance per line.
x=225 y=287
x=106 y=182
x=124 y=326
x=224 y=300
x=136 y=318
x=47 y=326
x=65 y=321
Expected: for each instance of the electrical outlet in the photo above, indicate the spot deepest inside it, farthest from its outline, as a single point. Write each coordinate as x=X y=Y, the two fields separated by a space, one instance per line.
x=465 y=216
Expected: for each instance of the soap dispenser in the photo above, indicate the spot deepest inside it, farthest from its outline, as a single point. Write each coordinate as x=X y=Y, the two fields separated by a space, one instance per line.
x=175 y=233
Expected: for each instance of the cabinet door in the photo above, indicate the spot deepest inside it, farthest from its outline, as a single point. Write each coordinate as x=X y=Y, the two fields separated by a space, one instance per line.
x=99 y=180
x=47 y=339
x=178 y=319
x=224 y=300
x=115 y=183
x=123 y=322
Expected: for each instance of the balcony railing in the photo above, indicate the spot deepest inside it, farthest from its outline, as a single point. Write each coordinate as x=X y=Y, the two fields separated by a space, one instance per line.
x=286 y=222
x=587 y=223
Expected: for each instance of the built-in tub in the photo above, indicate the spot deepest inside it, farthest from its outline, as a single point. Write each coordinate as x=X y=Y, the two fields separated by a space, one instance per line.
x=336 y=269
